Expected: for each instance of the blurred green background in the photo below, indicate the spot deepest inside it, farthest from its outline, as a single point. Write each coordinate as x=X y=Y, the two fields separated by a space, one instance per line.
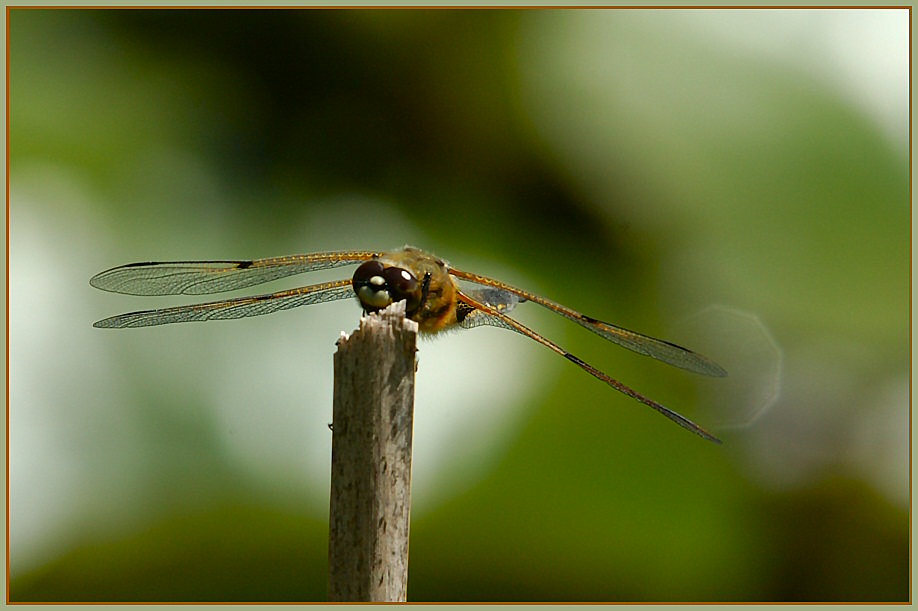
x=734 y=181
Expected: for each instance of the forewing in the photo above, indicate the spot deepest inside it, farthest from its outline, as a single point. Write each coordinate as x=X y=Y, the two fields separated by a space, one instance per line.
x=204 y=277
x=241 y=307
x=642 y=344
x=659 y=349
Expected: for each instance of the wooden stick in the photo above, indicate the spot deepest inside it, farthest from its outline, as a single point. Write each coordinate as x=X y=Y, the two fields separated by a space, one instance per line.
x=371 y=460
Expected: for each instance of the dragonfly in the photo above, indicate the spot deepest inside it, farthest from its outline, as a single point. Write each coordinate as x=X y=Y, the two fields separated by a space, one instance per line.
x=437 y=297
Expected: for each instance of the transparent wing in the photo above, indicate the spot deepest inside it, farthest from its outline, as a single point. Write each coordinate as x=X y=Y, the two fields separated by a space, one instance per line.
x=204 y=277
x=497 y=298
x=241 y=307
x=642 y=344
x=483 y=314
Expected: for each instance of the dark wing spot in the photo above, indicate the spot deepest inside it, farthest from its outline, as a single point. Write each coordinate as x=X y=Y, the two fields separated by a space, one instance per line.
x=462 y=310
x=143 y=264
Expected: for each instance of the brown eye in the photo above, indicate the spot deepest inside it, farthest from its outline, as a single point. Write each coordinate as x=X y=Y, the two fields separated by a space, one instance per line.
x=365 y=272
x=378 y=286
x=402 y=284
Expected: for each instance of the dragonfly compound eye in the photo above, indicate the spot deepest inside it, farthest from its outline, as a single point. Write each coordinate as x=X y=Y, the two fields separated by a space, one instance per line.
x=402 y=284
x=378 y=286
x=370 y=286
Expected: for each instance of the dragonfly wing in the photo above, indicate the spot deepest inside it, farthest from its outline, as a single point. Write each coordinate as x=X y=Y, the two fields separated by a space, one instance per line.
x=478 y=318
x=241 y=307
x=499 y=299
x=642 y=344
x=483 y=314
x=659 y=349
x=204 y=277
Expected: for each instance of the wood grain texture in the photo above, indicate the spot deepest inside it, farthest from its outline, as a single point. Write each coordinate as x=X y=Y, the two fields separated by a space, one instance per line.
x=371 y=460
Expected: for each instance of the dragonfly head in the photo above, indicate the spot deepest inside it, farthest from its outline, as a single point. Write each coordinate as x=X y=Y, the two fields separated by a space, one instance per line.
x=377 y=286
